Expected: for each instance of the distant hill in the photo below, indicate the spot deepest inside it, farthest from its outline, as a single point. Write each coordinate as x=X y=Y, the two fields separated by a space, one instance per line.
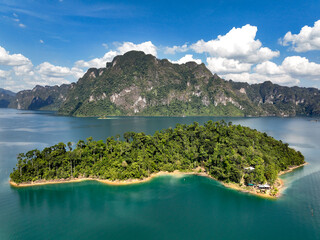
x=6 y=97
x=279 y=100
x=41 y=98
x=140 y=84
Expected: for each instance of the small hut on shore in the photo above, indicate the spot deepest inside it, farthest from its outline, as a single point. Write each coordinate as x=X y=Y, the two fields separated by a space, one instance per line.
x=264 y=186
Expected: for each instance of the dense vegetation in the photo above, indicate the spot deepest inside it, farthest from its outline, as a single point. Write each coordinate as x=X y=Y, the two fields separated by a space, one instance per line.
x=223 y=150
x=140 y=84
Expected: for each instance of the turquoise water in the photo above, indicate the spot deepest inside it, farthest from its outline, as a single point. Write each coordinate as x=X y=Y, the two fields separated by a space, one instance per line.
x=189 y=207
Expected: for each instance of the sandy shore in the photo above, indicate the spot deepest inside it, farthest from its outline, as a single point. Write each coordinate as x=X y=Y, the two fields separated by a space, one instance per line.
x=291 y=169
x=279 y=184
x=200 y=172
x=109 y=182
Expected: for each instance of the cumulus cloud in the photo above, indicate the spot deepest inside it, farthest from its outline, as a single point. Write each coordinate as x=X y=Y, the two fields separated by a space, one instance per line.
x=269 y=68
x=295 y=66
x=301 y=66
x=175 y=49
x=77 y=72
x=8 y=59
x=187 y=58
x=259 y=78
x=223 y=65
x=49 y=70
x=239 y=44
x=146 y=47
x=24 y=75
x=4 y=74
x=24 y=70
x=308 y=38
x=289 y=72
x=97 y=62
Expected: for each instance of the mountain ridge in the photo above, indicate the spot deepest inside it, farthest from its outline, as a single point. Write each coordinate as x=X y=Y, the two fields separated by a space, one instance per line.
x=140 y=84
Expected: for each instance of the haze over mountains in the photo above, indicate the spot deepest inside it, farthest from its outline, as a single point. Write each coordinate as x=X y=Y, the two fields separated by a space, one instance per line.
x=140 y=84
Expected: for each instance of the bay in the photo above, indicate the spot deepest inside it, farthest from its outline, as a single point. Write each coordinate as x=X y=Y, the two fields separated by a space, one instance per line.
x=189 y=207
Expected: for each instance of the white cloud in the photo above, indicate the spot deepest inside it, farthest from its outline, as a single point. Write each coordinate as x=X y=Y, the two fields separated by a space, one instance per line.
x=4 y=74
x=22 y=25
x=301 y=66
x=106 y=46
x=24 y=70
x=97 y=62
x=146 y=47
x=308 y=38
x=295 y=66
x=269 y=68
x=77 y=72
x=187 y=58
x=289 y=72
x=175 y=49
x=223 y=65
x=8 y=59
x=41 y=41
x=23 y=75
x=239 y=44
x=49 y=70
x=259 y=78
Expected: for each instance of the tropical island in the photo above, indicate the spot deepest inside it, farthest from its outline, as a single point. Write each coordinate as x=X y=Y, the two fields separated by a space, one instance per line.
x=240 y=157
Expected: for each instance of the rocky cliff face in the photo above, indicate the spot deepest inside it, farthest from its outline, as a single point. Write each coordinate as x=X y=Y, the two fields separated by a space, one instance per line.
x=280 y=100
x=43 y=98
x=6 y=97
x=140 y=84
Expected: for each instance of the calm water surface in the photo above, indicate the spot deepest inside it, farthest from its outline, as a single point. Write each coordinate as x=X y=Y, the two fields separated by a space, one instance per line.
x=189 y=207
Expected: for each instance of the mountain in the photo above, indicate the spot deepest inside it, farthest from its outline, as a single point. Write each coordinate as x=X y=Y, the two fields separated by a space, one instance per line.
x=41 y=98
x=140 y=84
x=280 y=100
x=6 y=97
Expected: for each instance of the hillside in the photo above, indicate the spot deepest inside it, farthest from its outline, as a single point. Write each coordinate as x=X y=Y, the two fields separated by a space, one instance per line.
x=140 y=84
x=6 y=97
x=41 y=98
x=276 y=99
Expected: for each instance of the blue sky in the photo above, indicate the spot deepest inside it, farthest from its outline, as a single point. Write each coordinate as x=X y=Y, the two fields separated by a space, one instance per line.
x=54 y=42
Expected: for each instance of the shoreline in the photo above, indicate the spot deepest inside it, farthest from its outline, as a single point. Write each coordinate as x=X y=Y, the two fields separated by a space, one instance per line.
x=279 y=184
x=291 y=169
x=109 y=182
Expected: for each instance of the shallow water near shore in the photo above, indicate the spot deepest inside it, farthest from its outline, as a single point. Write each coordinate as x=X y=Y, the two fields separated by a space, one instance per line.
x=167 y=207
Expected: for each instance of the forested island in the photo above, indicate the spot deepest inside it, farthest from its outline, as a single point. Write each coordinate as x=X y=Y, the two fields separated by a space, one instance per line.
x=238 y=156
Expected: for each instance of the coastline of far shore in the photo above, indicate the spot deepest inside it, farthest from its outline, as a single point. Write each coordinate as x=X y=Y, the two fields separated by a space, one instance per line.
x=279 y=184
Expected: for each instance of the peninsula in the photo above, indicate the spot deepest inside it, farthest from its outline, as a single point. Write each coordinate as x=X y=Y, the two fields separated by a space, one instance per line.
x=239 y=157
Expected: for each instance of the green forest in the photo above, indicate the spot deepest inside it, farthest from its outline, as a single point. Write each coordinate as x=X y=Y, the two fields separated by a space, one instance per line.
x=224 y=150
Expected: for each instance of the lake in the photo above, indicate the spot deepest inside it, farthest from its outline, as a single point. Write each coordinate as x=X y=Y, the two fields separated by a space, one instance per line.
x=188 y=207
